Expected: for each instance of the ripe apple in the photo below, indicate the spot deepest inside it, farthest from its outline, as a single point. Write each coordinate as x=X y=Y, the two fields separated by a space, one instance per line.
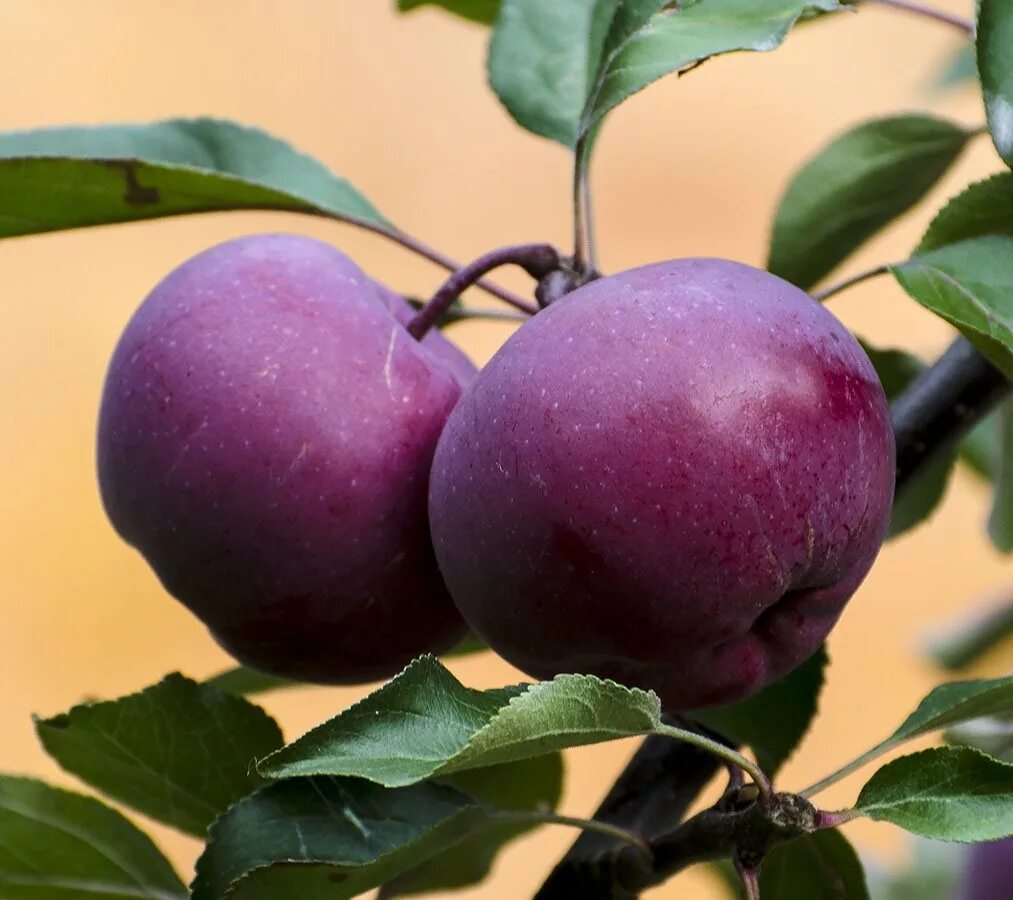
x=674 y=477
x=988 y=872
x=265 y=439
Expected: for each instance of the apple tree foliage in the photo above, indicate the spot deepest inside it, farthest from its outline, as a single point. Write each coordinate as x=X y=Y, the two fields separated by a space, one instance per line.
x=418 y=786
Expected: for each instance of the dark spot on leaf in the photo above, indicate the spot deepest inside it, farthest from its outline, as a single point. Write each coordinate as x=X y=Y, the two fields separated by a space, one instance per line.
x=135 y=194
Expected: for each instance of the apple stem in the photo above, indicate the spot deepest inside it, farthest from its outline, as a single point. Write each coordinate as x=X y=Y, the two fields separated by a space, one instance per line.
x=920 y=9
x=538 y=260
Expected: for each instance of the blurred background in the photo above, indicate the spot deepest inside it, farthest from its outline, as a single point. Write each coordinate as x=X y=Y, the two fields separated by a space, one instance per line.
x=398 y=105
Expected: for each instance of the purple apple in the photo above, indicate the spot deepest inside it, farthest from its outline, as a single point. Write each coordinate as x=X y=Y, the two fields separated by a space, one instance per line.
x=674 y=477
x=988 y=871
x=265 y=440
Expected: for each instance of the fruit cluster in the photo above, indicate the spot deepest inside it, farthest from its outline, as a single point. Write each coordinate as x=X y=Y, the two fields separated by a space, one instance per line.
x=674 y=477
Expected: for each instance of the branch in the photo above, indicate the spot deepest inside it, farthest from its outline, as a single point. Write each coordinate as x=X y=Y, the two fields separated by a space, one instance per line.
x=655 y=791
x=748 y=831
x=942 y=405
x=663 y=779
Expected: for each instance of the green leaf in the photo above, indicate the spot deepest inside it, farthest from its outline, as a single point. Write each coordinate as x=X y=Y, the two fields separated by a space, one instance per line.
x=854 y=187
x=55 y=845
x=921 y=498
x=774 y=721
x=179 y=751
x=973 y=637
x=818 y=866
x=1000 y=522
x=470 y=644
x=950 y=704
x=560 y=67
x=947 y=793
x=425 y=722
x=330 y=838
x=724 y=873
x=960 y=68
x=482 y=11
x=529 y=784
x=984 y=208
x=994 y=44
x=970 y=284
x=629 y=18
x=980 y=450
x=945 y=705
x=543 y=59
x=896 y=370
x=992 y=735
x=245 y=682
x=678 y=38
x=59 y=178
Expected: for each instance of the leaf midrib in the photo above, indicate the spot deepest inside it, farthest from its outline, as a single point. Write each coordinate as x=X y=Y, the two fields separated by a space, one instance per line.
x=83 y=837
x=88 y=886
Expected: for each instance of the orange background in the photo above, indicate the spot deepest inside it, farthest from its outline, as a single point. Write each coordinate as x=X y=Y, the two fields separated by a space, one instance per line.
x=398 y=105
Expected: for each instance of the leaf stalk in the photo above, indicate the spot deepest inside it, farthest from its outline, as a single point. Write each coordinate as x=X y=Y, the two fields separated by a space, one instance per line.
x=723 y=752
x=920 y=9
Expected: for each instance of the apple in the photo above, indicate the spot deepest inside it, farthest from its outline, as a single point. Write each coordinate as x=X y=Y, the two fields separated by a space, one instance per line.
x=265 y=439
x=988 y=871
x=674 y=477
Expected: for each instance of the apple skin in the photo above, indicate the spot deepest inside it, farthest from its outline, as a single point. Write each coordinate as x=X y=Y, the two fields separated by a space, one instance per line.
x=674 y=477
x=988 y=871
x=265 y=439
x=448 y=353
